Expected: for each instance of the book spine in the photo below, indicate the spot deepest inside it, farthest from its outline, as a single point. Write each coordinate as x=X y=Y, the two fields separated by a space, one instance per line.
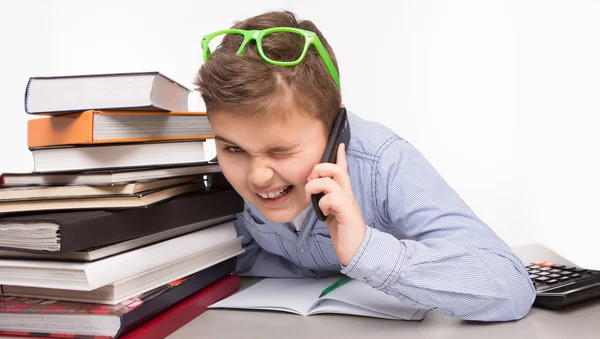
x=67 y=129
x=27 y=95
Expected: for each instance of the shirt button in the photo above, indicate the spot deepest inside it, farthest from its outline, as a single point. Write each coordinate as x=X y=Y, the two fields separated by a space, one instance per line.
x=302 y=250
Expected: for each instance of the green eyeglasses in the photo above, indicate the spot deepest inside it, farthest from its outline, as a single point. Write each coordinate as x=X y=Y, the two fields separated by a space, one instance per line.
x=310 y=38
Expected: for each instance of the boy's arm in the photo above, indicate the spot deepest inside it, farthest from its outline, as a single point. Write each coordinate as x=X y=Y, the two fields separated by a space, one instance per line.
x=437 y=254
x=256 y=262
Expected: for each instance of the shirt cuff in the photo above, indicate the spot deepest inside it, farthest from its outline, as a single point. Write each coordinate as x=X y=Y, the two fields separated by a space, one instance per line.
x=378 y=260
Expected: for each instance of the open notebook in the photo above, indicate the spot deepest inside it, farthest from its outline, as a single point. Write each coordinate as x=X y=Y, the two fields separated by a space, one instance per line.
x=301 y=296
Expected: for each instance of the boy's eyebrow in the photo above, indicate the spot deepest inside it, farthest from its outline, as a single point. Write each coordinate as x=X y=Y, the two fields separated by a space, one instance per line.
x=218 y=137
x=275 y=149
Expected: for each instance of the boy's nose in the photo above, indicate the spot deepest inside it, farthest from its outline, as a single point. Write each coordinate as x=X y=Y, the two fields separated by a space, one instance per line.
x=260 y=176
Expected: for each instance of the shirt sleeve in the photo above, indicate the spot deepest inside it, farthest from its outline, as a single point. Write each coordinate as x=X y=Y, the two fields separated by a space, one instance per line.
x=256 y=262
x=433 y=251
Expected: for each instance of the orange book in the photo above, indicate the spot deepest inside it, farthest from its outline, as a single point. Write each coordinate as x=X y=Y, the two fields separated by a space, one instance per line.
x=91 y=127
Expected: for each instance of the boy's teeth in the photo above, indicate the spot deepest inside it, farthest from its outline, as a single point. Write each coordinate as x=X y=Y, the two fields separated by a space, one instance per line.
x=273 y=195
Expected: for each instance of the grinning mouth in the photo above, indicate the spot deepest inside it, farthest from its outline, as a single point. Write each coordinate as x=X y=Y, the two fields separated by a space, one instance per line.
x=275 y=195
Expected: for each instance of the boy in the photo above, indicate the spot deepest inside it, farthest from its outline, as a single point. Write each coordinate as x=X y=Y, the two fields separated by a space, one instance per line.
x=392 y=221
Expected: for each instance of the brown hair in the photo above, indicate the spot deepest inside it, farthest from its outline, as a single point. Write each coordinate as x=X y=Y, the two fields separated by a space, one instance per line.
x=247 y=82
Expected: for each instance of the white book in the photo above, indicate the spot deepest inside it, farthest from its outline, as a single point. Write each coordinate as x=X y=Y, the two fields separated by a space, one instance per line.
x=301 y=296
x=92 y=275
x=125 y=289
x=122 y=91
x=85 y=158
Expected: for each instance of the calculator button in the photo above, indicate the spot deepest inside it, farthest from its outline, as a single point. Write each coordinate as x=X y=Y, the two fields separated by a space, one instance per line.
x=542 y=279
x=554 y=270
x=554 y=276
x=563 y=278
x=544 y=268
x=552 y=282
x=533 y=276
x=575 y=275
x=559 y=266
x=579 y=270
x=565 y=273
x=534 y=271
x=543 y=273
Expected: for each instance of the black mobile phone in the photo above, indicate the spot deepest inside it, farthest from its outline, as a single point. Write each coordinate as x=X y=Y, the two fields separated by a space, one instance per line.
x=340 y=133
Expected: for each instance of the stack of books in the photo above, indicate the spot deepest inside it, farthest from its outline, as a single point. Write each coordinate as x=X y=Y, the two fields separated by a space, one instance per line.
x=123 y=229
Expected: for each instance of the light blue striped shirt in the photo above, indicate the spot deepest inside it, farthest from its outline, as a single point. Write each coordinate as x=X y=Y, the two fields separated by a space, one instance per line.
x=423 y=244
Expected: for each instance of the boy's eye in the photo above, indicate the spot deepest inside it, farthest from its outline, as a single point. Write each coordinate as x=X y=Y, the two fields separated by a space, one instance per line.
x=233 y=149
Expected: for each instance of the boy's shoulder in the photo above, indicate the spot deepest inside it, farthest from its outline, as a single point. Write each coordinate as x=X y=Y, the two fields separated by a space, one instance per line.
x=369 y=138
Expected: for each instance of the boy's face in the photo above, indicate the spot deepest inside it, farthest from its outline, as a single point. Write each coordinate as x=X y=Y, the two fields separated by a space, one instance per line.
x=267 y=160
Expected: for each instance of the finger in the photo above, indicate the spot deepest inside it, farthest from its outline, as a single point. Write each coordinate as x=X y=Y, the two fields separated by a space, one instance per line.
x=327 y=203
x=325 y=185
x=324 y=169
x=333 y=205
x=341 y=156
x=336 y=172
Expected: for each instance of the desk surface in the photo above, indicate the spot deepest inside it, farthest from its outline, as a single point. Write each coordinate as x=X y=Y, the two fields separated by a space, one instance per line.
x=581 y=321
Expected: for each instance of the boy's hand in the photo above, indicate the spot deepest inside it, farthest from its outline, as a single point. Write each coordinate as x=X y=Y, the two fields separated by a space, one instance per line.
x=344 y=219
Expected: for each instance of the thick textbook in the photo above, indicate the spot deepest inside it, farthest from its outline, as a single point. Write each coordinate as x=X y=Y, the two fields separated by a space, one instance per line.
x=102 y=156
x=92 y=127
x=120 y=291
x=159 y=258
x=95 y=253
x=123 y=91
x=63 y=232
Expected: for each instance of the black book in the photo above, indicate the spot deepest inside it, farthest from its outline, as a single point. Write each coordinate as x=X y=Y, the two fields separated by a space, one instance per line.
x=63 y=232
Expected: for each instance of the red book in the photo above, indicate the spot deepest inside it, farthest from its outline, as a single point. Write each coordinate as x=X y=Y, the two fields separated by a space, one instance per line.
x=181 y=314
x=165 y=323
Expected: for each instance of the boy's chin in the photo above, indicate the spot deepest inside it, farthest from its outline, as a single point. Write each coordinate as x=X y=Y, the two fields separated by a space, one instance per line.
x=279 y=216
x=282 y=216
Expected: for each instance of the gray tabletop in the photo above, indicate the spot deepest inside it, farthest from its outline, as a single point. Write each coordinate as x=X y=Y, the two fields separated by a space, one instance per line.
x=582 y=321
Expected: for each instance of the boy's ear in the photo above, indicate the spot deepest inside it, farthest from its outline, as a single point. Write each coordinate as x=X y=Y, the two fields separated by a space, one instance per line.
x=342 y=106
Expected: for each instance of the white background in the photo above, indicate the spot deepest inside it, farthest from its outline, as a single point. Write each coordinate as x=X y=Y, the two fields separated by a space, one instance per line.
x=501 y=96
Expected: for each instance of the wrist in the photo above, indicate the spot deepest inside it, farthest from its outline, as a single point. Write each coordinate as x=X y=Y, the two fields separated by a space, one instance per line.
x=379 y=259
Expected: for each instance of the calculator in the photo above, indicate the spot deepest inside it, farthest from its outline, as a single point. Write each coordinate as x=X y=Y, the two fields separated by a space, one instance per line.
x=558 y=286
